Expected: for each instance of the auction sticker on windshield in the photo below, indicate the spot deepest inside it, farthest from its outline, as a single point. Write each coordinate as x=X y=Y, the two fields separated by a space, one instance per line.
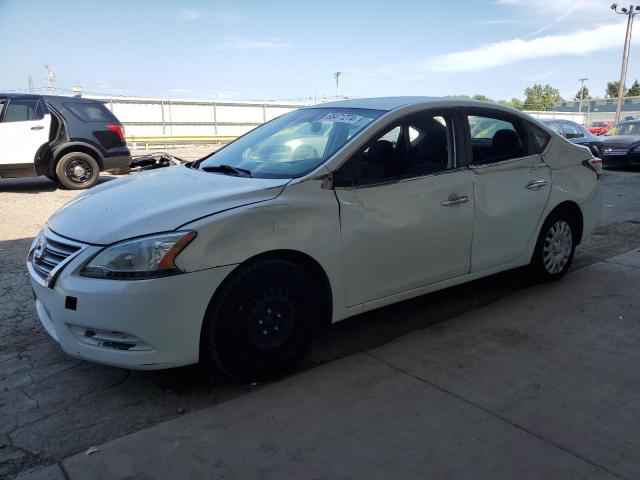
x=342 y=117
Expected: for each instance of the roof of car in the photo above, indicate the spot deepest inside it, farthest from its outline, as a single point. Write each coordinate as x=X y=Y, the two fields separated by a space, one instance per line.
x=556 y=120
x=59 y=98
x=18 y=95
x=391 y=103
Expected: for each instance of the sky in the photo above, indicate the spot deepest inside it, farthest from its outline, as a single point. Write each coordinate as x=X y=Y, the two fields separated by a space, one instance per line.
x=286 y=50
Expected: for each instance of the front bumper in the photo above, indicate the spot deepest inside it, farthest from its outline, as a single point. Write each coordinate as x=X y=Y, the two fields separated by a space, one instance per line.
x=140 y=324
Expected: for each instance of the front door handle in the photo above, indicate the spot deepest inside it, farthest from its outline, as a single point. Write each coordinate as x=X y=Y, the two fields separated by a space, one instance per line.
x=38 y=127
x=535 y=184
x=454 y=200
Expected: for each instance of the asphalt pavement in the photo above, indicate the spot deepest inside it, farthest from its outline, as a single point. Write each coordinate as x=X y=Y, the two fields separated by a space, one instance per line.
x=52 y=406
x=542 y=384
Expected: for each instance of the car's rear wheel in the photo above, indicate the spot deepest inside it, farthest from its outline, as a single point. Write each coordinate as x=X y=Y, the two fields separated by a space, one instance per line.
x=261 y=321
x=77 y=171
x=555 y=247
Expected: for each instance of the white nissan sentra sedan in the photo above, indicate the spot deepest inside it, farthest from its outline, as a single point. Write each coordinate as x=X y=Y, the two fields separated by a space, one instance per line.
x=318 y=215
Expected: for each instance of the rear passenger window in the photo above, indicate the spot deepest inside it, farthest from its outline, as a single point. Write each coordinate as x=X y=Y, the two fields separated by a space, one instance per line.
x=90 y=112
x=22 y=110
x=495 y=139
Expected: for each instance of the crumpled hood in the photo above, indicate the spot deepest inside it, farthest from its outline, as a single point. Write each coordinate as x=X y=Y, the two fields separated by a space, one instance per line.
x=620 y=140
x=157 y=201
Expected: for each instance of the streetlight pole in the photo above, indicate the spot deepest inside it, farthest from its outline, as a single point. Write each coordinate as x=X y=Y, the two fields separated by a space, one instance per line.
x=337 y=76
x=630 y=13
x=581 y=80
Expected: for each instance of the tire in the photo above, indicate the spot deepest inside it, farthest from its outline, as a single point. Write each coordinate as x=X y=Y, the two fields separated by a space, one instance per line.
x=262 y=320
x=555 y=247
x=77 y=171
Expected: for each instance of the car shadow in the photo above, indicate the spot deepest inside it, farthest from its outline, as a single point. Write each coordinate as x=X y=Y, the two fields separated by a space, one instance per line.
x=366 y=331
x=361 y=332
x=36 y=184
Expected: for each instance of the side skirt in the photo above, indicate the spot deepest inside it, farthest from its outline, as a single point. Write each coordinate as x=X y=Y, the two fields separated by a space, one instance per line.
x=416 y=292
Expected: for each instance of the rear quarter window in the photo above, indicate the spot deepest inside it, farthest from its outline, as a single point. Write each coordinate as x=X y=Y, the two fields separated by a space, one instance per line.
x=90 y=112
x=539 y=138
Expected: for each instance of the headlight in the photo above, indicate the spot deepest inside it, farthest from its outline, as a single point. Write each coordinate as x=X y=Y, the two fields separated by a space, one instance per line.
x=146 y=257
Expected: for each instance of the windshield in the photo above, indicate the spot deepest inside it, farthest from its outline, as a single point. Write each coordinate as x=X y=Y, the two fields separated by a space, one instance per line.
x=598 y=124
x=625 y=129
x=292 y=145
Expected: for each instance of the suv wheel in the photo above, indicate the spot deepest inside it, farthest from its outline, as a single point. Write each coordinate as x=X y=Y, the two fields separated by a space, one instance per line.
x=262 y=320
x=555 y=247
x=77 y=170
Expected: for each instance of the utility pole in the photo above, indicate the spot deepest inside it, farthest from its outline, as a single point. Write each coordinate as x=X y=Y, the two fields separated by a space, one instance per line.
x=630 y=13
x=581 y=80
x=51 y=77
x=337 y=76
x=30 y=80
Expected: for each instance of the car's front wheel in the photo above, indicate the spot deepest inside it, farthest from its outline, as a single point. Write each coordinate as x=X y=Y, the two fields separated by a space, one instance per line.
x=261 y=321
x=555 y=247
x=77 y=171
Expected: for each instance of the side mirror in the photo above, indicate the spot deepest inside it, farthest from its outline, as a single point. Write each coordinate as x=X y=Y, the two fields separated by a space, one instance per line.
x=342 y=179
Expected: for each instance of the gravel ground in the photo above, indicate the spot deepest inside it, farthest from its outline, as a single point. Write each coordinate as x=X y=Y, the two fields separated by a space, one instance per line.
x=52 y=406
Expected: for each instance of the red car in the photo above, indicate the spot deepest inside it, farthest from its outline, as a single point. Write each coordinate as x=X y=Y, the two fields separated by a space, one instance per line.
x=600 y=128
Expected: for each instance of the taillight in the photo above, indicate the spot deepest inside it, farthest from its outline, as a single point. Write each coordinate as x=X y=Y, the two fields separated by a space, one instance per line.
x=594 y=164
x=119 y=129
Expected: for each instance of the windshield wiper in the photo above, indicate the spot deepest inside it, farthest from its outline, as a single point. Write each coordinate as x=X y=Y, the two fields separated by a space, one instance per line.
x=228 y=170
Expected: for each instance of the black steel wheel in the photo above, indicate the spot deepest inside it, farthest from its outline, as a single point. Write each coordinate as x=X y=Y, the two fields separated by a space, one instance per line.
x=77 y=171
x=261 y=321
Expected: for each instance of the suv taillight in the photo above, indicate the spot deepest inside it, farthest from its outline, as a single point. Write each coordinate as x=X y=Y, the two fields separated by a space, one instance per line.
x=119 y=129
x=594 y=164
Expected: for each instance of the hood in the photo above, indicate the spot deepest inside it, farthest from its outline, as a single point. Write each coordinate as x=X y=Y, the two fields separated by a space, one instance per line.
x=620 y=140
x=157 y=201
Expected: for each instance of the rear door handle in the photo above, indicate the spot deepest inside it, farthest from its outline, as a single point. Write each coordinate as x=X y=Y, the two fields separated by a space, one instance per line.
x=454 y=200
x=535 y=184
x=38 y=127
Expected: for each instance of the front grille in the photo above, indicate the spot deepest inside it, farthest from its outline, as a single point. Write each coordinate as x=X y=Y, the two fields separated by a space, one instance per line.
x=610 y=151
x=49 y=253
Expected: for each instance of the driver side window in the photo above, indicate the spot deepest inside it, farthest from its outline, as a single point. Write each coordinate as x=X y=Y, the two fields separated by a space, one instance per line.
x=420 y=145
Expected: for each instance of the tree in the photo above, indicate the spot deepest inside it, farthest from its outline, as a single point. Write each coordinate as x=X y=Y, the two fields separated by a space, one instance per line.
x=634 y=91
x=612 y=89
x=513 y=103
x=585 y=94
x=483 y=98
x=538 y=97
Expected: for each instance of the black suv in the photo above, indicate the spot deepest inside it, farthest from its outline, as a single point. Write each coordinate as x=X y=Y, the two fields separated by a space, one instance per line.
x=68 y=139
